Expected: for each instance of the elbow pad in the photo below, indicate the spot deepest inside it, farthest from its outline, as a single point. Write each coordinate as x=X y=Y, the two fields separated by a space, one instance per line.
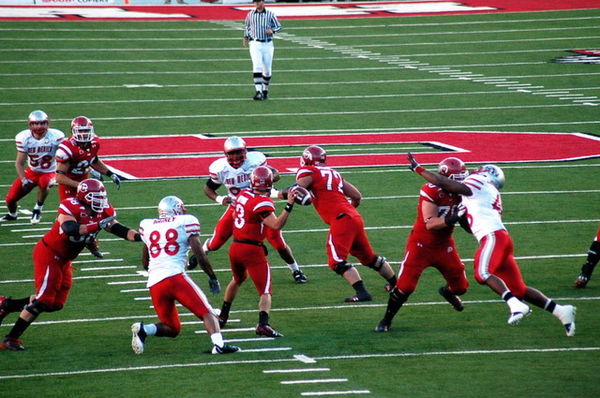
x=70 y=228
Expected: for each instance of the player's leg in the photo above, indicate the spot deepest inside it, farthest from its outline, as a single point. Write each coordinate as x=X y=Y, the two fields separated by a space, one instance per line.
x=453 y=270
x=43 y=181
x=275 y=238
x=593 y=256
x=361 y=249
x=255 y=54
x=260 y=273
x=268 y=50
x=223 y=231
x=15 y=193
x=238 y=253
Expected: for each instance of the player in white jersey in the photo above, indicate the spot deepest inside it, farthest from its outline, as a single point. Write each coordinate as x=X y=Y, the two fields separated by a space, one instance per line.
x=495 y=264
x=36 y=147
x=233 y=171
x=167 y=240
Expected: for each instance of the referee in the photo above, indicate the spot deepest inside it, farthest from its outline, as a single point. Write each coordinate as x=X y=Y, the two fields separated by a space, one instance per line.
x=259 y=28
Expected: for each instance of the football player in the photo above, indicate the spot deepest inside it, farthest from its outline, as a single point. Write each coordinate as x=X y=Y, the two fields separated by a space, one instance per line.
x=336 y=200
x=430 y=244
x=234 y=172
x=167 y=239
x=76 y=156
x=36 y=146
x=495 y=264
x=593 y=256
x=253 y=211
x=80 y=218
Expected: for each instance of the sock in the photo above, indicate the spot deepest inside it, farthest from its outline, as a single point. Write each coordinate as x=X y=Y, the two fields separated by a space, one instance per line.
x=395 y=301
x=550 y=306
x=217 y=339
x=18 y=328
x=263 y=318
x=150 y=329
x=265 y=82
x=225 y=308
x=360 y=289
x=257 y=81
x=507 y=295
x=593 y=255
x=293 y=266
x=392 y=281
x=12 y=214
x=38 y=206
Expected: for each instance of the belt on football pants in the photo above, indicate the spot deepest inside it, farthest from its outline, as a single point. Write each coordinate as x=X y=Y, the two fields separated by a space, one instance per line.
x=262 y=40
x=254 y=243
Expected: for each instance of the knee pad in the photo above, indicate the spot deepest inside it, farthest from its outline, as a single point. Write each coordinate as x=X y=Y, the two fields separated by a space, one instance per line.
x=36 y=307
x=342 y=267
x=377 y=263
x=398 y=296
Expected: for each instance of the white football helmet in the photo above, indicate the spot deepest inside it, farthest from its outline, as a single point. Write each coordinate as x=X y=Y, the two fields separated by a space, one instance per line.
x=38 y=122
x=170 y=206
x=235 y=150
x=494 y=173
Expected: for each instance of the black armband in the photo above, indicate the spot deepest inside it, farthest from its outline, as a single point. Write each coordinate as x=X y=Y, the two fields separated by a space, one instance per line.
x=137 y=237
x=70 y=228
x=119 y=230
x=288 y=207
x=212 y=185
x=109 y=173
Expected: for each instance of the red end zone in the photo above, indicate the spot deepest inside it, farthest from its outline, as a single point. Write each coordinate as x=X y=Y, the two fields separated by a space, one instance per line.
x=45 y=10
x=152 y=158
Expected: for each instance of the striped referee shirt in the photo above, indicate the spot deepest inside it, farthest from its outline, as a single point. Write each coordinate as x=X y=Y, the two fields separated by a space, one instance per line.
x=258 y=22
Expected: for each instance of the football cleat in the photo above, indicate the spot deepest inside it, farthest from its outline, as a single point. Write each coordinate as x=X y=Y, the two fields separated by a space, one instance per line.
x=225 y=349
x=518 y=315
x=12 y=344
x=265 y=94
x=36 y=216
x=258 y=96
x=93 y=248
x=138 y=337
x=299 y=276
x=267 y=330
x=358 y=298
x=8 y=217
x=383 y=326
x=452 y=298
x=566 y=314
x=582 y=280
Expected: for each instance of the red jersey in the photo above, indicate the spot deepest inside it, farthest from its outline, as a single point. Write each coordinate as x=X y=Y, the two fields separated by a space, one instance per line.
x=444 y=201
x=79 y=159
x=69 y=247
x=250 y=209
x=328 y=197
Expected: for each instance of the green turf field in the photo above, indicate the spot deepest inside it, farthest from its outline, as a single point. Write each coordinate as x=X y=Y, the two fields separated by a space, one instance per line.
x=330 y=76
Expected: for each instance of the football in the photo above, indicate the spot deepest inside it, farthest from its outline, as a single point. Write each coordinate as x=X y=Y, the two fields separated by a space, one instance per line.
x=303 y=196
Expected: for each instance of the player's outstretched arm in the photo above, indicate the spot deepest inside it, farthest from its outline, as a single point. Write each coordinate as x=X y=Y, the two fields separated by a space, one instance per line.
x=277 y=222
x=438 y=179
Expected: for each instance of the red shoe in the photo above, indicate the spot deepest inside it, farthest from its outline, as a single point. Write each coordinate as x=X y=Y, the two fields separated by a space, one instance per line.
x=267 y=330
x=12 y=344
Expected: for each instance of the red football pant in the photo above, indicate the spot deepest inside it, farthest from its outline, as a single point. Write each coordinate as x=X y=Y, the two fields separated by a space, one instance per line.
x=347 y=236
x=247 y=259
x=53 y=277
x=16 y=191
x=224 y=230
x=495 y=256
x=444 y=258
x=182 y=289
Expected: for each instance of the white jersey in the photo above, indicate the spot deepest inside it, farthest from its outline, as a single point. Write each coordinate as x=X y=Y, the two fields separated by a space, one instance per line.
x=235 y=180
x=484 y=206
x=167 y=242
x=40 y=152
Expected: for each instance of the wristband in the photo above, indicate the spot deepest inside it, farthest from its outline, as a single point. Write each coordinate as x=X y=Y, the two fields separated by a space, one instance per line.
x=274 y=193
x=219 y=199
x=92 y=227
x=419 y=169
x=288 y=207
x=137 y=237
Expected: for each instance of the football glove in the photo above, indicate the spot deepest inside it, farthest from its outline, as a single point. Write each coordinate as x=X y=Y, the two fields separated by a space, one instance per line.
x=215 y=286
x=105 y=222
x=116 y=179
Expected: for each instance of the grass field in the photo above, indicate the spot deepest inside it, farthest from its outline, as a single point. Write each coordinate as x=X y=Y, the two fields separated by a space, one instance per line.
x=332 y=76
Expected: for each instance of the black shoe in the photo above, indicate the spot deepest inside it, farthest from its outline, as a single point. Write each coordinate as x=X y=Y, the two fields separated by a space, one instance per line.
x=8 y=217
x=452 y=298
x=357 y=298
x=225 y=349
x=258 y=96
x=265 y=94
x=383 y=326
x=267 y=330
x=299 y=276
x=582 y=280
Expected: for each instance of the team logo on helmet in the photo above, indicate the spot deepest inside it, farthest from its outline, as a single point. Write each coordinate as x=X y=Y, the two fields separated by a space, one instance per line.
x=453 y=168
x=235 y=151
x=261 y=179
x=93 y=194
x=313 y=155
x=170 y=206
x=494 y=174
x=82 y=129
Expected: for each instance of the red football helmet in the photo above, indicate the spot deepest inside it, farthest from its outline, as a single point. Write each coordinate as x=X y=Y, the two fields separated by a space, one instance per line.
x=38 y=122
x=453 y=168
x=82 y=129
x=92 y=193
x=262 y=179
x=235 y=150
x=313 y=155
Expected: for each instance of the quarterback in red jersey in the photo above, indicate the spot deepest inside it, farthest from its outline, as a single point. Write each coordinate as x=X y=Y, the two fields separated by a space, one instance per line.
x=430 y=244
x=346 y=227
x=79 y=219
x=254 y=210
x=75 y=157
